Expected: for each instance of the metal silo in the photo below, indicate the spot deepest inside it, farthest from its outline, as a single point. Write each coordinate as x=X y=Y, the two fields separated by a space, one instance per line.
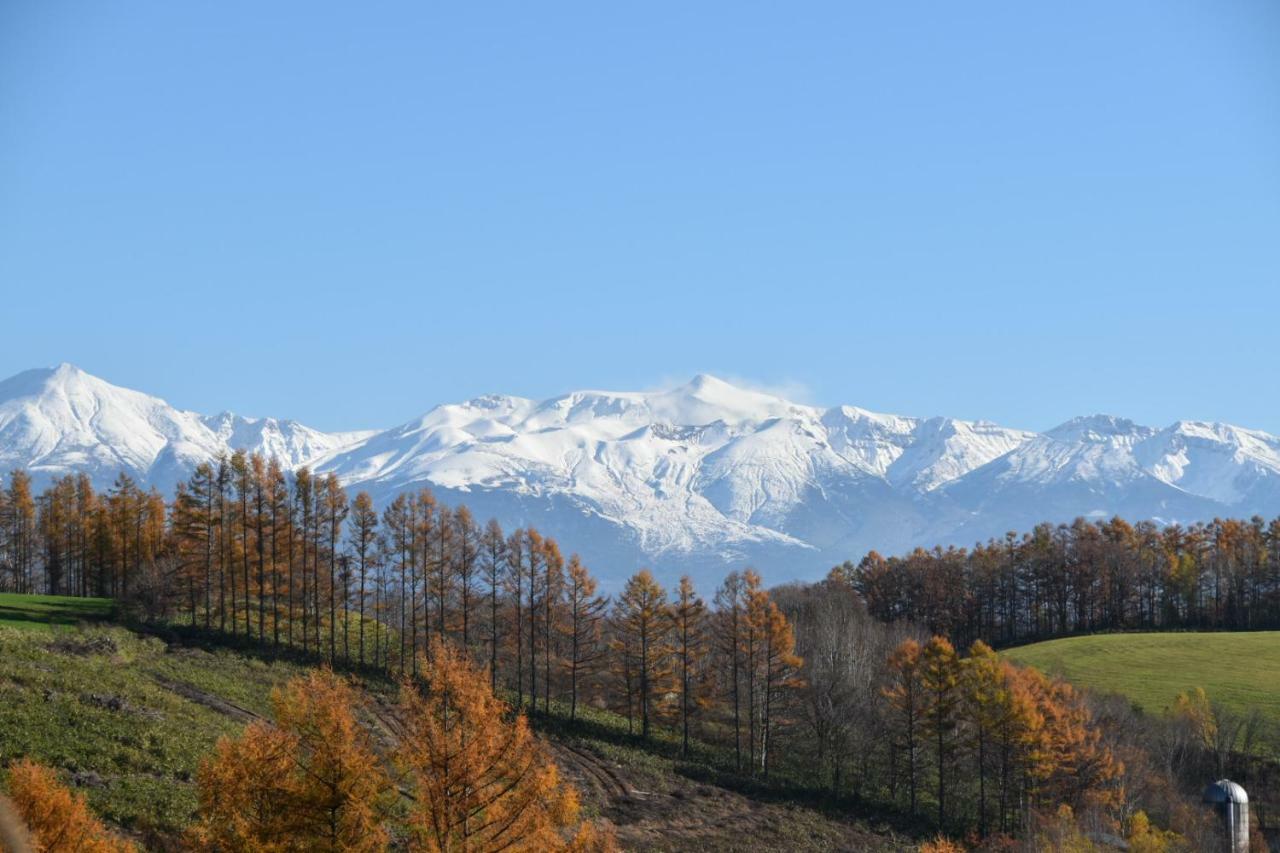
x=1231 y=803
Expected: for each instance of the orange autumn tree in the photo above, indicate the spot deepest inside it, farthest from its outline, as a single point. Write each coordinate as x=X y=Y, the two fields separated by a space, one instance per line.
x=906 y=700
x=478 y=780
x=778 y=664
x=641 y=645
x=1031 y=738
x=311 y=782
x=58 y=820
x=940 y=680
x=689 y=617
x=1076 y=767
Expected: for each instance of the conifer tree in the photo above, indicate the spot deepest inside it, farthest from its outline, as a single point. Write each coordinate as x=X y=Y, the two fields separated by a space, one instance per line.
x=479 y=782
x=552 y=589
x=515 y=579
x=20 y=523
x=467 y=551
x=493 y=567
x=281 y=526
x=58 y=820
x=443 y=546
x=242 y=478
x=364 y=523
x=304 y=500
x=395 y=546
x=534 y=554
x=335 y=506
x=311 y=782
x=643 y=622
x=585 y=612
x=780 y=668
x=907 y=701
x=689 y=617
x=982 y=691
x=940 y=680
x=424 y=517
x=729 y=621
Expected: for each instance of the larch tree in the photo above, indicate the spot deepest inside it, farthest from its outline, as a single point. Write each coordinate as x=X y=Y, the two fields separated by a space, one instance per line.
x=515 y=559
x=258 y=474
x=982 y=691
x=335 y=505
x=940 y=681
x=424 y=516
x=311 y=782
x=242 y=480
x=779 y=671
x=493 y=567
x=467 y=538
x=443 y=548
x=907 y=701
x=20 y=522
x=363 y=534
x=534 y=555
x=729 y=620
x=552 y=589
x=689 y=616
x=304 y=500
x=395 y=546
x=584 y=612
x=281 y=527
x=643 y=622
x=480 y=782
x=755 y=603
x=57 y=820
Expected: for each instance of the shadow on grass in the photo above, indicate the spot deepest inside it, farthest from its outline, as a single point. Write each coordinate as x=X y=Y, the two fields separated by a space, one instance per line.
x=265 y=650
x=53 y=615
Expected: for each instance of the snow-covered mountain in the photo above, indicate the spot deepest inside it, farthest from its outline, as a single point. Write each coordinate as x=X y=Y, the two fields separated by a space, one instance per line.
x=697 y=478
x=59 y=420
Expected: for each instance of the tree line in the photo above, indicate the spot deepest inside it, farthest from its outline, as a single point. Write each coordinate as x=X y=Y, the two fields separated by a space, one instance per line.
x=848 y=687
x=1086 y=576
x=288 y=560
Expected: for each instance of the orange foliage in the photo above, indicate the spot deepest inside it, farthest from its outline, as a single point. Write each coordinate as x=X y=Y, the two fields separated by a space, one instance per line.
x=941 y=845
x=479 y=781
x=57 y=819
x=310 y=783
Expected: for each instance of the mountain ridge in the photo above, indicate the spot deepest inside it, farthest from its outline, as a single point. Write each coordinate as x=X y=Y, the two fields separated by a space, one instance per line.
x=700 y=477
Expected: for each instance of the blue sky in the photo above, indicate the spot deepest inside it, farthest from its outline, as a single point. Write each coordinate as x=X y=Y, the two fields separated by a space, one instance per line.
x=347 y=212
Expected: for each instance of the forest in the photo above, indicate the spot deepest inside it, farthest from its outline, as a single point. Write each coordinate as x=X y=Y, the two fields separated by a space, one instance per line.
x=875 y=688
x=1084 y=577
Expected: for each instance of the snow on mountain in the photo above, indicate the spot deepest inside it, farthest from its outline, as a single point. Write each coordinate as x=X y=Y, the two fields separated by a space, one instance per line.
x=706 y=472
x=62 y=420
x=1219 y=461
x=695 y=478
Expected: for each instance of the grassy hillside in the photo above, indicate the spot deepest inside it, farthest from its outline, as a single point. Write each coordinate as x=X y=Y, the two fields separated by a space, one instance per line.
x=126 y=719
x=1239 y=670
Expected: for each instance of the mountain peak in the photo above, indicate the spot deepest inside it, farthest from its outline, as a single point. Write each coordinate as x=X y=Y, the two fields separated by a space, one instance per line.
x=1095 y=427
x=705 y=385
x=705 y=380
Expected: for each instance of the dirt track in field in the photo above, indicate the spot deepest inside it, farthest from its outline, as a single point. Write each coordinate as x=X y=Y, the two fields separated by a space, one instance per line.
x=690 y=815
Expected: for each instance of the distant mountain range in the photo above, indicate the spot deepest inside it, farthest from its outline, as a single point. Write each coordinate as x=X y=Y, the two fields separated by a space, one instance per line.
x=701 y=478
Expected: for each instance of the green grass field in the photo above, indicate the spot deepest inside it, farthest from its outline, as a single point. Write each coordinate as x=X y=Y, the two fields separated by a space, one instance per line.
x=1239 y=670
x=125 y=718
x=50 y=612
